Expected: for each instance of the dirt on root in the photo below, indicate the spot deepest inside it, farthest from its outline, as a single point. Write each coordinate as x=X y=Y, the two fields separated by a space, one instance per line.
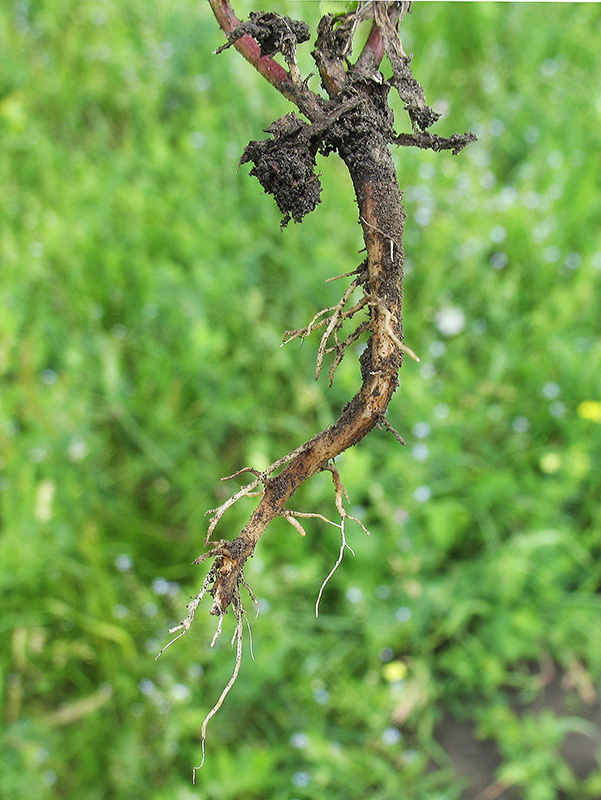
x=274 y=33
x=285 y=166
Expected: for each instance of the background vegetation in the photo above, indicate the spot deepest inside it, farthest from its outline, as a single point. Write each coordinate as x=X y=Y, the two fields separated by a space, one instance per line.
x=144 y=288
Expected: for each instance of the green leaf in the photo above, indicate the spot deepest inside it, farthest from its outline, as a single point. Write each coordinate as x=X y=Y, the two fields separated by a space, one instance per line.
x=336 y=7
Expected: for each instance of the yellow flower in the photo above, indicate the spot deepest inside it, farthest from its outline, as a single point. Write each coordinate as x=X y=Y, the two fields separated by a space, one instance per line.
x=590 y=409
x=394 y=671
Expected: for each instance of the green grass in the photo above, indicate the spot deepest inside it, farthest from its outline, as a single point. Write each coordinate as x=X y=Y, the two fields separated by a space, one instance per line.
x=144 y=288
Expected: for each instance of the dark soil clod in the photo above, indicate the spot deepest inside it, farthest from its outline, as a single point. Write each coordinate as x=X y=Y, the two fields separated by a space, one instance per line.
x=285 y=167
x=273 y=32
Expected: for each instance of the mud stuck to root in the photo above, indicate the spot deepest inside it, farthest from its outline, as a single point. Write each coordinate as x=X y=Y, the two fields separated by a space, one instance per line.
x=273 y=32
x=285 y=167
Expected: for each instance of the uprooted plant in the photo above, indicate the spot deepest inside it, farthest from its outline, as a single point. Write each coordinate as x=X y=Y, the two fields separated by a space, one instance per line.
x=355 y=121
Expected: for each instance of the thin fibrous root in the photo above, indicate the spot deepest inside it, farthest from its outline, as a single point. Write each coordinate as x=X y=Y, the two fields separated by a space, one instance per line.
x=245 y=491
x=341 y=492
x=342 y=347
x=333 y=322
x=217 y=633
x=312 y=326
x=283 y=460
x=184 y=625
x=343 y=545
x=292 y=518
x=221 y=549
x=340 y=495
x=238 y=472
x=250 y=636
x=237 y=638
x=251 y=593
x=345 y=275
x=220 y=510
x=385 y=424
x=338 y=316
x=294 y=522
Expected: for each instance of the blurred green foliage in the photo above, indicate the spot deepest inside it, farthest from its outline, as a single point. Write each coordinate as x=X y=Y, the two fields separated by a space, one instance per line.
x=144 y=288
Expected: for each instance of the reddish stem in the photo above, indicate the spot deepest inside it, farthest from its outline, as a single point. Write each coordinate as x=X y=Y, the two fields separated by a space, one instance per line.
x=268 y=67
x=372 y=53
x=246 y=45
